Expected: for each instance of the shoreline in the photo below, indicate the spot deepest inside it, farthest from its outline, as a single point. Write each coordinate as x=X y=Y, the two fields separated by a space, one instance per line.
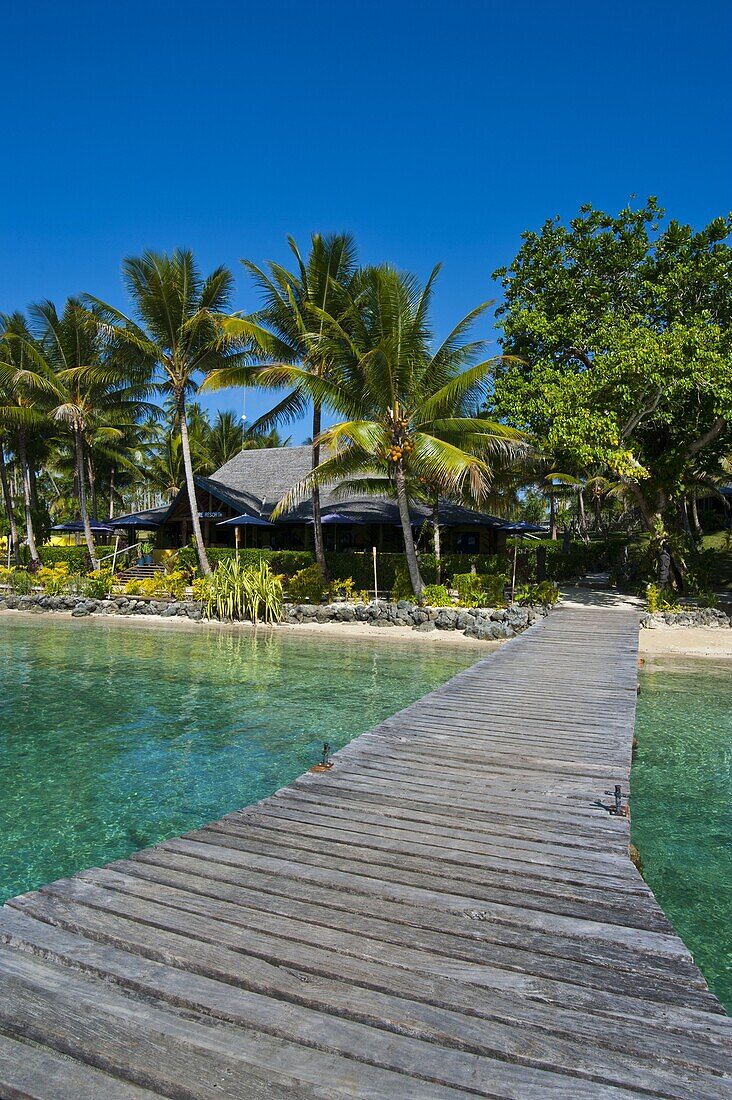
x=695 y=643
x=337 y=631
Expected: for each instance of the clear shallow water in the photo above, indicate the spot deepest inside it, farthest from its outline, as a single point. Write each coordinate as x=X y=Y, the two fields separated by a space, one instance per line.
x=113 y=737
x=682 y=806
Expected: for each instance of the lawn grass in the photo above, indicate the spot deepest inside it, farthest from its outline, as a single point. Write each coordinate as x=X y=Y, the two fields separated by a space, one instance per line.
x=721 y=542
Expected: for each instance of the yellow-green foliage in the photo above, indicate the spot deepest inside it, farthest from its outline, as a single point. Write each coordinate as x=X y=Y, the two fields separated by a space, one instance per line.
x=657 y=599
x=236 y=591
x=480 y=589
x=307 y=586
x=436 y=595
x=98 y=584
x=341 y=589
x=160 y=586
x=545 y=592
x=54 y=580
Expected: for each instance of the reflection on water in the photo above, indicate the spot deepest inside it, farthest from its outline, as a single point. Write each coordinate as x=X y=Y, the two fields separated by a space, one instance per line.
x=682 y=806
x=113 y=737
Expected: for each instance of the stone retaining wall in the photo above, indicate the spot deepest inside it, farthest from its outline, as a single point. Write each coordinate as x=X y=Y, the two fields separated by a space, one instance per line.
x=687 y=616
x=487 y=624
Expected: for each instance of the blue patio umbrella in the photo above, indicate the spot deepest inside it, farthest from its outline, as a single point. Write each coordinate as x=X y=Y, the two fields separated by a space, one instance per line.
x=237 y=522
x=521 y=527
x=75 y=526
x=245 y=521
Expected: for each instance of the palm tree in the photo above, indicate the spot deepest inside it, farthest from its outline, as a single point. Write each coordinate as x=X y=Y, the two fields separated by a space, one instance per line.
x=225 y=439
x=175 y=338
x=408 y=409
x=289 y=329
x=23 y=412
x=87 y=394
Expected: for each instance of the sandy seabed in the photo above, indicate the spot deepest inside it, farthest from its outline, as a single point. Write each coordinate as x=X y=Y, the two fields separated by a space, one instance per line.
x=434 y=638
x=686 y=641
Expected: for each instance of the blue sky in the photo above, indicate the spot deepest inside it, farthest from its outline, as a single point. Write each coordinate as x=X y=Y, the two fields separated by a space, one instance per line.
x=432 y=131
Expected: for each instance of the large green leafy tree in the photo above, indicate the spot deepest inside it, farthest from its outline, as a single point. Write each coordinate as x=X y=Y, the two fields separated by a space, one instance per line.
x=290 y=328
x=624 y=332
x=174 y=337
x=407 y=408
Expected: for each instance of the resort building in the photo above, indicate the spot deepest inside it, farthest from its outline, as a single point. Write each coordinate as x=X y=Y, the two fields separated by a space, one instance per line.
x=250 y=486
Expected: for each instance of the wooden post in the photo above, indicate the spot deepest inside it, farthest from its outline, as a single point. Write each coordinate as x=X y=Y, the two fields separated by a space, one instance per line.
x=376 y=579
x=236 y=541
x=513 y=577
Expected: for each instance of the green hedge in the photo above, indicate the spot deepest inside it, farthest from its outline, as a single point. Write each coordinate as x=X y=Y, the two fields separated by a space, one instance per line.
x=359 y=565
x=76 y=556
x=565 y=564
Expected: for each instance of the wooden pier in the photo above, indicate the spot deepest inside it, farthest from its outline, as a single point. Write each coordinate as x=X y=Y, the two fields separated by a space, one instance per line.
x=449 y=912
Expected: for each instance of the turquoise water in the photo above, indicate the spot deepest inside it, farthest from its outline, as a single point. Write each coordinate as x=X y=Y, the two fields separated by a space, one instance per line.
x=682 y=806
x=113 y=736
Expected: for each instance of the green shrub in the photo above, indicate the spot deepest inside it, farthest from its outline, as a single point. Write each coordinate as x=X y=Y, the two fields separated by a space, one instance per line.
x=342 y=590
x=98 y=584
x=436 y=595
x=236 y=591
x=307 y=586
x=546 y=592
x=55 y=581
x=76 y=557
x=470 y=589
x=401 y=586
x=658 y=599
x=21 y=582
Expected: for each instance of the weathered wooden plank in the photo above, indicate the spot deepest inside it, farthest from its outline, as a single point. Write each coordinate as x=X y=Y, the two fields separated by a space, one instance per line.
x=449 y=912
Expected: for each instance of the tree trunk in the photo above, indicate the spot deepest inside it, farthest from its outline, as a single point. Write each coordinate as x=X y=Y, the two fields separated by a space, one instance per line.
x=191 y=486
x=410 y=549
x=33 y=487
x=315 y=498
x=29 y=533
x=598 y=513
x=92 y=488
x=111 y=493
x=582 y=515
x=684 y=513
x=698 y=529
x=8 y=500
x=436 y=532
x=552 y=517
x=83 y=510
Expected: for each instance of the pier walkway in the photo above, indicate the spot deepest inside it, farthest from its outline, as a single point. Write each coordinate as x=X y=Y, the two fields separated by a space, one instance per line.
x=449 y=912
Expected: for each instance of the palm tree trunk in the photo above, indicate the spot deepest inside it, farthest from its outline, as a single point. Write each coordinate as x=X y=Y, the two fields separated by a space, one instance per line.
x=698 y=529
x=315 y=498
x=582 y=515
x=436 y=533
x=191 y=486
x=410 y=549
x=81 y=486
x=33 y=486
x=111 y=493
x=8 y=500
x=92 y=487
x=29 y=533
x=552 y=517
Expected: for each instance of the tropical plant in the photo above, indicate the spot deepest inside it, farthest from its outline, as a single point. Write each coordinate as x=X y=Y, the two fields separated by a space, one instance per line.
x=307 y=585
x=409 y=410
x=436 y=595
x=22 y=416
x=236 y=591
x=174 y=338
x=290 y=328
